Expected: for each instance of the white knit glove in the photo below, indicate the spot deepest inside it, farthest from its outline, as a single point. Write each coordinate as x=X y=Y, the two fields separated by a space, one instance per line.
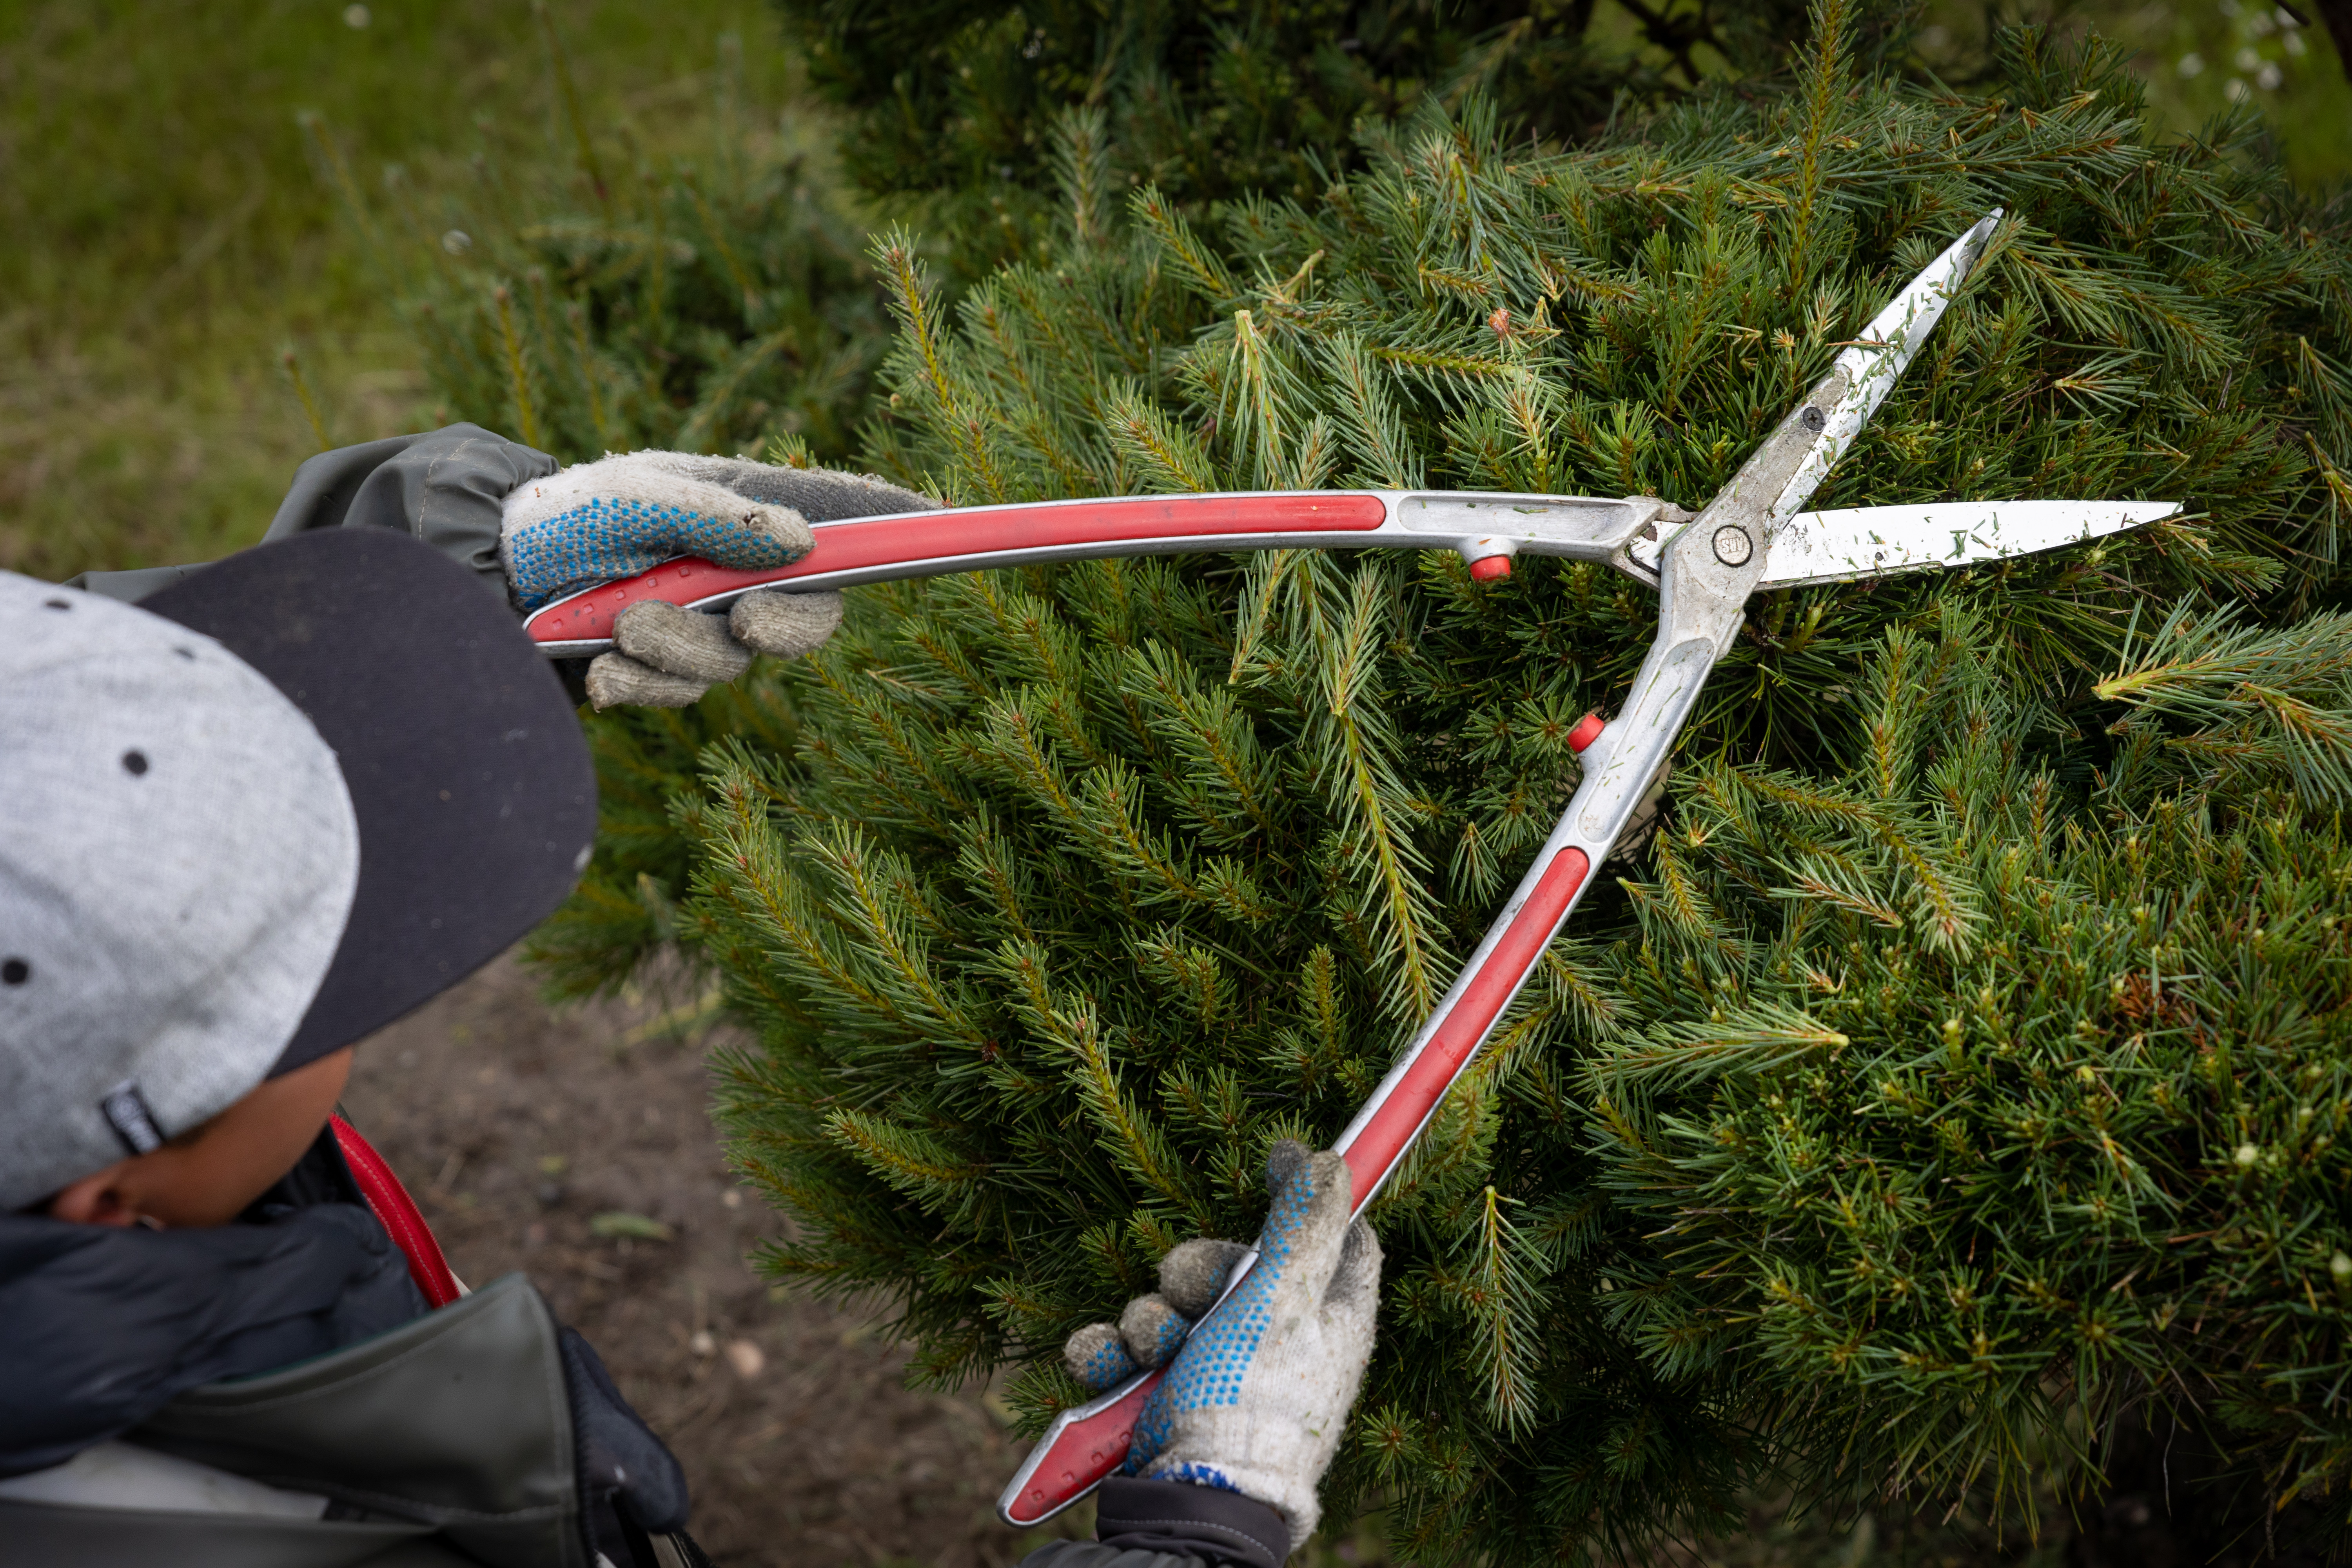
x=592 y=522
x=1257 y=1398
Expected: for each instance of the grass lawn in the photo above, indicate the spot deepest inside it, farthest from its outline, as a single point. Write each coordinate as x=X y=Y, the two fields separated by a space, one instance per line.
x=164 y=237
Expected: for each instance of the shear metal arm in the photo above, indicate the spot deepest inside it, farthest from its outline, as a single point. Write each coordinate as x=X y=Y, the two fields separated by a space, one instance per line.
x=1486 y=528
x=1698 y=615
x=1707 y=571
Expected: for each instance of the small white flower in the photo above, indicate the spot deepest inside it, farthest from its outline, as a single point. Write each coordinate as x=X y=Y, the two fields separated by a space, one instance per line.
x=456 y=242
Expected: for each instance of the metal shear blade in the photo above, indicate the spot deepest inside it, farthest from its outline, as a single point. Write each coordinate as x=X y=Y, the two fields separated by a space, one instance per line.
x=1853 y=543
x=1871 y=364
x=1876 y=540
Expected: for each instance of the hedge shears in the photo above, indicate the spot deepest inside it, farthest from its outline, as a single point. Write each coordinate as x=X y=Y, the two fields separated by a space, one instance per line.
x=1754 y=534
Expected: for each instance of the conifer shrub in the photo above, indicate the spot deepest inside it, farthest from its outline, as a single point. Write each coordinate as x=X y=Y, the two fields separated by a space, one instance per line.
x=1983 y=1099
x=1959 y=1072
x=954 y=104
x=724 y=305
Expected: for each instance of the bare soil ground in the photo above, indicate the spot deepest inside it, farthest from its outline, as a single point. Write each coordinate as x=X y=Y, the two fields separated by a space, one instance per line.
x=516 y=1128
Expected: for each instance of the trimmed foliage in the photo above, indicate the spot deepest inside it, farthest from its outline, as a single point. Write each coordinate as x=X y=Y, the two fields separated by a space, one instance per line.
x=1992 y=1088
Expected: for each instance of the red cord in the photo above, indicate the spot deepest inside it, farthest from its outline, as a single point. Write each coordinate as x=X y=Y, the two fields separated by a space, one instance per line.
x=397 y=1212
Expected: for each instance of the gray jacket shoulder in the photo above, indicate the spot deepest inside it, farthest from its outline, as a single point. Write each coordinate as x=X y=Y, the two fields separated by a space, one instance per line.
x=445 y=486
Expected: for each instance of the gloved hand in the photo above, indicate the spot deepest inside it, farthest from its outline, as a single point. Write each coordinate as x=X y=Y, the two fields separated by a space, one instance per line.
x=618 y=516
x=1256 y=1401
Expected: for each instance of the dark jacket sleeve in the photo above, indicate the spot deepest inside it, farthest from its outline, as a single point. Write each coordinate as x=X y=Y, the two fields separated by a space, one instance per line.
x=1171 y=1524
x=104 y=1326
x=445 y=488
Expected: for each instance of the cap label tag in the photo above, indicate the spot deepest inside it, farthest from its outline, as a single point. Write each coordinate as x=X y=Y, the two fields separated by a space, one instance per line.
x=126 y=1110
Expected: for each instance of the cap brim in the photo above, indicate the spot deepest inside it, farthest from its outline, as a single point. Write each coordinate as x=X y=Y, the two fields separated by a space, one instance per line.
x=471 y=783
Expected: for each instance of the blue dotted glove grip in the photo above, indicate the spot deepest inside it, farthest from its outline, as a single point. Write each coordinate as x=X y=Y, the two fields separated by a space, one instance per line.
x=1107 y=1366
x=604 y=538
x=1166 y=1337
x=1209 y=1369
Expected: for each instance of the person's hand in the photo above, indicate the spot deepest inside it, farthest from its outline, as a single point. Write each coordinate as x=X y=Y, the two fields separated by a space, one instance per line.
x=1256 y=1400
x=592 y=522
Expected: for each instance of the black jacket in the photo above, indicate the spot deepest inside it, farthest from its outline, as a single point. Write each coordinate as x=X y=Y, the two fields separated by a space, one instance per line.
x=1171 y=1524
x=101 y=1327
x=292 y=1348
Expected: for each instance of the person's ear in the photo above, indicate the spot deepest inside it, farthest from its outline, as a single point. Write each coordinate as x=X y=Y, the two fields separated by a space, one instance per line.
x=97 y=1199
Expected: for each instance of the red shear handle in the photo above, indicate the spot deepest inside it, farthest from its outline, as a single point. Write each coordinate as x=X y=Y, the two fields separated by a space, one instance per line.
x=1087 y=1444
x=979 y=535
x=1082 y=1447
x=1376 y=1147
x=398 y=1213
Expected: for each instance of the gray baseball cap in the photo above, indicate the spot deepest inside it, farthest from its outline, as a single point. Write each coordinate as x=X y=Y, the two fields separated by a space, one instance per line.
x=283 y=801
x=178 y=857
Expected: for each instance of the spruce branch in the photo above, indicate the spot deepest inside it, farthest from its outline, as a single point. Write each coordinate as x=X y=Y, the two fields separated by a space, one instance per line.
x=2262 y=699
x=910 y=1161
x=931 y=364
x=1082 y=168
x=1201 y=266
x=1497 y=1290
x=1821 y=84
x=1341 y=638
x=1169 y=458
x=1132 y=1138
x=1374 y=434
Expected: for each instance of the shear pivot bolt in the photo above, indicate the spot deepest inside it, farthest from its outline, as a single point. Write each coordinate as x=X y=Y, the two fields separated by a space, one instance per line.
x=1814 y=418
x=1732 y=545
